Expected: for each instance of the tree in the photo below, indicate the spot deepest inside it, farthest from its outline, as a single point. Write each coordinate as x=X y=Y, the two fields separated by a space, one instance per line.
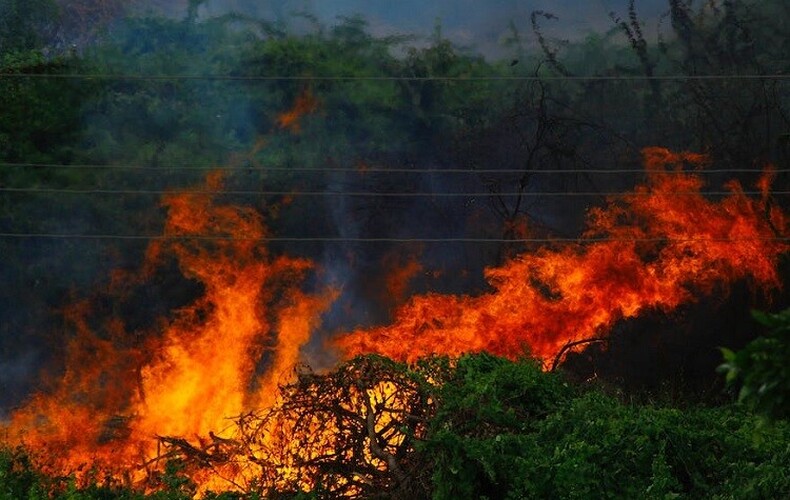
x=82 y=21
x=24 y=25
x=738 y=120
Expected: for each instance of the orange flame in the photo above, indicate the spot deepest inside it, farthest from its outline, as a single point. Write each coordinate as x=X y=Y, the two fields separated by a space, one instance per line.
x=112 y=403
x=305 y=104
x=655 y=248
x=401 y=271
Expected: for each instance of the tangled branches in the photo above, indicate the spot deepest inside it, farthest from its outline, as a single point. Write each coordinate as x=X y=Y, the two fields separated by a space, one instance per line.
x=349 y=433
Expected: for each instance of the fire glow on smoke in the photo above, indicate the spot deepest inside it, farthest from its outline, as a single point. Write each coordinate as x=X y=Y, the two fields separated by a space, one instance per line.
x=655 y=248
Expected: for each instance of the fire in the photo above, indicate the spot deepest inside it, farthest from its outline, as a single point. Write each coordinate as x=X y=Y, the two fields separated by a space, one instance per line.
x=112 y=403
x=197 y=384
x=655 y=248
x=362 y=418
x=400 y=271
x=305 y=104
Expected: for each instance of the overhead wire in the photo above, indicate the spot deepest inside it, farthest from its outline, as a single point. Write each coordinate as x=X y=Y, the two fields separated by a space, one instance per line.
x=376 y=170
x=459 y=78
x=364 y=170
x=383 y=194
x=332 y=239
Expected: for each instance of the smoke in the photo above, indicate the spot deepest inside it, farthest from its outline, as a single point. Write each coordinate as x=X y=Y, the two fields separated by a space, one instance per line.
x=15 y=377
x=148 y=119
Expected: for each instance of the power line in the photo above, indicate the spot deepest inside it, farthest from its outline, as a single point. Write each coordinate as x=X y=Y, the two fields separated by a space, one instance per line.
x=302 y=78
x=158 y=192
x=332 y=239
x=365 y=170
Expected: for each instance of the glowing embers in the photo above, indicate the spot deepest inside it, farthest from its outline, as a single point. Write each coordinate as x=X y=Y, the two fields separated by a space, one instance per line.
x=657 y=247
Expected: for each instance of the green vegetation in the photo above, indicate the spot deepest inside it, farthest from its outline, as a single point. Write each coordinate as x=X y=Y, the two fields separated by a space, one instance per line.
x=502 y=429
x=134 y=114
x=80 y=105
x=507 y=430
x=763 y=367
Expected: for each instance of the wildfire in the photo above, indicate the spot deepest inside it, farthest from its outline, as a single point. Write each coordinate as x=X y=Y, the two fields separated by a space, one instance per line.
x=655 y=248
x=112 y=403
x=400 y=271
x=305 y=104
x=194 y=384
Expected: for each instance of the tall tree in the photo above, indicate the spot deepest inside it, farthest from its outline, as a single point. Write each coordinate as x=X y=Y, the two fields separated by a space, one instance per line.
x=24 y=24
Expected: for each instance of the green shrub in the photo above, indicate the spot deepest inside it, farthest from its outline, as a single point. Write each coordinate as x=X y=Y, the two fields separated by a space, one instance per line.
x=763 y=367
x=18 y=479
x=487 y=409
x=507 y=430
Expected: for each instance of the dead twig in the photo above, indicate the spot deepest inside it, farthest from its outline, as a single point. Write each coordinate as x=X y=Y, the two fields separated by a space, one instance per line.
x=570 y=345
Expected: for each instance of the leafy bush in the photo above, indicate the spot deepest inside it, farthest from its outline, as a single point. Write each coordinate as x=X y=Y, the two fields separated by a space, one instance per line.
x=507 y=430
x=17 y=476
x=487 y=407
x=501 y=429
x=763 y=367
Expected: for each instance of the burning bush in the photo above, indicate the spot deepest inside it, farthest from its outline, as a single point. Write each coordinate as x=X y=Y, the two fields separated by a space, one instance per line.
x=482 y=426
x=350 y=433
x=210 y=385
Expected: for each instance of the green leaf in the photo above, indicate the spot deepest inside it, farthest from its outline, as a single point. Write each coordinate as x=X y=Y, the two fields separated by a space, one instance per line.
x=728 y=354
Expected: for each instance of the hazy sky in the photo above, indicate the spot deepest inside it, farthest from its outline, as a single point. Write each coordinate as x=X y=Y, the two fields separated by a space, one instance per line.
x=482 y=23
x=477 y=23
x=477 y=15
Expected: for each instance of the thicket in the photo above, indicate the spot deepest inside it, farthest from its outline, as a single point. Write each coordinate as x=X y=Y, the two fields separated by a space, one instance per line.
x=523 y=126
x=485 y=428
x=502 y=429
x=56 y=117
